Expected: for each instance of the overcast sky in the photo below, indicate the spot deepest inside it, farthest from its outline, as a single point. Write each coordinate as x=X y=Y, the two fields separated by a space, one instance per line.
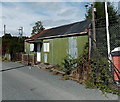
x=52 y=14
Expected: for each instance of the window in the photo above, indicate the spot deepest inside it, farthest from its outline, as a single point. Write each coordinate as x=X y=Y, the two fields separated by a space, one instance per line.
x=31 y=47
x=46 y=47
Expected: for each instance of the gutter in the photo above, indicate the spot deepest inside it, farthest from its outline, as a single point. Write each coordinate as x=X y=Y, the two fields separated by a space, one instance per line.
x=33 y=41
x=57 y=36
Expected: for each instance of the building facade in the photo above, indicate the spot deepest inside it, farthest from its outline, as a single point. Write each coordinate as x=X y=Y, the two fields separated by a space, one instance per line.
x=53 y=45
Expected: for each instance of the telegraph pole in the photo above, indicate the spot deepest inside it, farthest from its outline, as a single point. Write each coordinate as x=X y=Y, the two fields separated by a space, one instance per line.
x=20 y=31
x=93 y=26
x=4 y=29
x=93 y=23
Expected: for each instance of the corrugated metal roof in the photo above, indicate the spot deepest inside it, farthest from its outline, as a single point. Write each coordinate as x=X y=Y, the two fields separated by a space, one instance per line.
x=77 y=27
x=37 y=35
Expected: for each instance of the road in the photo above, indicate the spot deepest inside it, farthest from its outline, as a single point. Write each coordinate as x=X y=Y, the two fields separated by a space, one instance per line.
x=21 y=82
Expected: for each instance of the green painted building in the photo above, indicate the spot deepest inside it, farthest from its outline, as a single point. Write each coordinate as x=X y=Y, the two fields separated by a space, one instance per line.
x=53 y=45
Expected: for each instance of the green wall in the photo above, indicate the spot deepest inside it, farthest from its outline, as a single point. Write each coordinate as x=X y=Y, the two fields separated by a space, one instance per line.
x=81 y=42
x=27 y=47
x=59 y=48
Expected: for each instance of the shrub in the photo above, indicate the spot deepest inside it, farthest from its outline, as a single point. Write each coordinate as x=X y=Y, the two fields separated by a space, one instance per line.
x=100 y=74
x=69 y=64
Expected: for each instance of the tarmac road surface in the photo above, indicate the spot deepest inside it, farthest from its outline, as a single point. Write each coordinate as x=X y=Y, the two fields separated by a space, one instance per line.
x=20 y=82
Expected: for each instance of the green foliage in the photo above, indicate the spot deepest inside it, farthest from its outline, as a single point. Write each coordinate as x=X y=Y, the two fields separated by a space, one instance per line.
x=4 y=59
x=7 y=36
x=37 y=28
x=66 y=77
x=100 y=75
x=83 y=59
x=114 y=36
x=12 y=44
x=89 y=83
x=100 y=24
x=100 y=10
x=100 y=70
x=69 y=64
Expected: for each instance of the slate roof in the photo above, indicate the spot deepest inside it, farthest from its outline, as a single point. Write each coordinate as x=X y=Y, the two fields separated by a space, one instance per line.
x=73 y=28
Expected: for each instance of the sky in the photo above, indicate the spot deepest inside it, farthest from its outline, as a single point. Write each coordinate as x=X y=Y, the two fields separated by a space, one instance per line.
x=52 y=14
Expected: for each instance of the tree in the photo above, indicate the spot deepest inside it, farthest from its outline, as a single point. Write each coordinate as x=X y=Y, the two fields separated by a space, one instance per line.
x=7 y=35
x=100 y=22
x=37 y=28
x=100 y=12
x=12 y=45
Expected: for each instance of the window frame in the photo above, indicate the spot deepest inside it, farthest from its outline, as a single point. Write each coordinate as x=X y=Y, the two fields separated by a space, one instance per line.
x=46 y=47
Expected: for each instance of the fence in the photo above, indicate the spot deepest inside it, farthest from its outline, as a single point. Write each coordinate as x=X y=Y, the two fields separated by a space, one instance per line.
x=100 y=54
x=27 y=59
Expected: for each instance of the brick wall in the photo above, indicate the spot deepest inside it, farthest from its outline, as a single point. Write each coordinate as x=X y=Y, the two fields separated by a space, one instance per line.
x=29 y=59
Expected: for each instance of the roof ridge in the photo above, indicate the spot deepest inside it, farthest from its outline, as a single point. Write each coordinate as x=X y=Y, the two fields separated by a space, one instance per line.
x=70 y=24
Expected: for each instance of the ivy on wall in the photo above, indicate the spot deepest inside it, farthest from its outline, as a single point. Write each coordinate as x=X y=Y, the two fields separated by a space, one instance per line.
x=99 y=76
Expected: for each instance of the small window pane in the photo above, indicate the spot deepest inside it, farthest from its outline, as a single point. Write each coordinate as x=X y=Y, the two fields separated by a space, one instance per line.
x=31 y=47
x=46 y=47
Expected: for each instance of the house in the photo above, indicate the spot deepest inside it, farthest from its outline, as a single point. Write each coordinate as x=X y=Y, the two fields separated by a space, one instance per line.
x=53 y=45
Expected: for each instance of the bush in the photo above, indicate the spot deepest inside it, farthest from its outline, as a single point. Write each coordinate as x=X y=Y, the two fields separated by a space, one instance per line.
x=4 y=59
x=100 y=74
x=69 y=64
